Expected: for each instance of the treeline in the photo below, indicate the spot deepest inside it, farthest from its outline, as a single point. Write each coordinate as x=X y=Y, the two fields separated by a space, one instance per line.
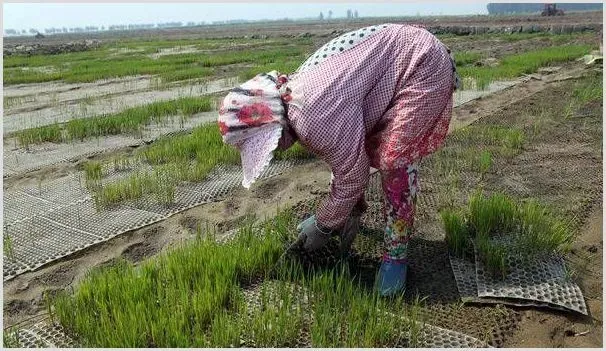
x=505 y=8
x=86 y=29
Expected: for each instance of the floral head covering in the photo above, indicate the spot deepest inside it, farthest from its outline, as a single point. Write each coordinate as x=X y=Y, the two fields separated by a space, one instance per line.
x=251 y=118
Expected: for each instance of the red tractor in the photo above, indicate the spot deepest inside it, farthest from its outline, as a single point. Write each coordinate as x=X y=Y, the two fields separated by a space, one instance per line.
x=550 y=10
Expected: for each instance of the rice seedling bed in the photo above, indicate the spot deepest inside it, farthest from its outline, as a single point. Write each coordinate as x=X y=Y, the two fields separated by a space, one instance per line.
x=185 y=158
x=233 y=322
x=544 y=283
x=96 y=65
x=516 y=65
x=131 y=120
x=68 y=203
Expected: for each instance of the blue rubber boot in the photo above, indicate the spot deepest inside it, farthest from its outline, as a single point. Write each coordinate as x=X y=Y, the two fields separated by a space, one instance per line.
x=392 y=278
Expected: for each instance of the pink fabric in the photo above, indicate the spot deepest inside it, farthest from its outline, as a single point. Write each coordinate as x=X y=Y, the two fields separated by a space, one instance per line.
x=251 y=118
x=385 y=102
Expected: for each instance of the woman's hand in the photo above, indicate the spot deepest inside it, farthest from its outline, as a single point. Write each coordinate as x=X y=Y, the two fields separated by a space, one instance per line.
x=311 y=236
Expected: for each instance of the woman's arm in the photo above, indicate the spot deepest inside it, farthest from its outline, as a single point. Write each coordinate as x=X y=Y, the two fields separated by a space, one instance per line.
x=341 y=145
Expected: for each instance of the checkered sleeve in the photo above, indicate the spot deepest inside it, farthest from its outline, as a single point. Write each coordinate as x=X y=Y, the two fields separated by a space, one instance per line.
x=342 y=147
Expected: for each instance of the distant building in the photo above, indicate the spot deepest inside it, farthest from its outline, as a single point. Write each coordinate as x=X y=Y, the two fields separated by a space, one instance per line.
x=505 y=8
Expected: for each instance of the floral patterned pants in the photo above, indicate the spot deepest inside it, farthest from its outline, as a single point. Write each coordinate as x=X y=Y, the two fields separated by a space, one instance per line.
x=400 y=188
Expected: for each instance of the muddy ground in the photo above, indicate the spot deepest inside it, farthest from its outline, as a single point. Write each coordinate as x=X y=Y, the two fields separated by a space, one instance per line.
x=23 y=295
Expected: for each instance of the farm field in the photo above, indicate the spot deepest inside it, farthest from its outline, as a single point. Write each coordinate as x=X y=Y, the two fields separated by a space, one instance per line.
x=122 y=206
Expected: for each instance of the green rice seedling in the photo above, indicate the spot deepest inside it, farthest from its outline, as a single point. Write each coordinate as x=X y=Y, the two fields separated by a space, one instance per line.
x=170 y=300
x=493 y=255
x=93 y=173
x=46 y=296
x=186 y=74
x=295 y=152
x=51 y=133
x=528 y=62
x=13 y=101
x=513 y=141
x=283 y=67
x=10 y=338
x=8 y=247
x=467 y=57
x=484 y=162
x=493 y=215
x=591 y=90
x=501 y=228
x=457 y=235
x=415 y=323
x=133 y=119
x=542 y=232
x=164 y=185
x=277 y=321
x=121 y=163
x=225 y=330
x=190 y=296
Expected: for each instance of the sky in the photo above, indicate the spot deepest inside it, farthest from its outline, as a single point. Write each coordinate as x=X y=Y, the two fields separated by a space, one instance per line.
x=47 y=15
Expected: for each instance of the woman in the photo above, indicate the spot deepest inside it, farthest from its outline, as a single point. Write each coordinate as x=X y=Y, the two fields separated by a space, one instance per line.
x=377 y=97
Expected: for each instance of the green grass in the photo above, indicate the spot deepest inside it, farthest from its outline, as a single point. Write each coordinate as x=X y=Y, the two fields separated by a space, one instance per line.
x=100 y=64
x=591 y=90
x=485 y=162
x=8 y=247
x=516 y=65
x=51 y=133
x=533 y=231
x=191 y=296
x=285 y=67
x=467 y=57
x=131 y=120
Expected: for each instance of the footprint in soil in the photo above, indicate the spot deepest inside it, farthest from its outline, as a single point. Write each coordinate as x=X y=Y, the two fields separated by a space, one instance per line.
x=139 y=251
x=190 y=223
x=62 y=276
x=267 y=189
x=14 y=307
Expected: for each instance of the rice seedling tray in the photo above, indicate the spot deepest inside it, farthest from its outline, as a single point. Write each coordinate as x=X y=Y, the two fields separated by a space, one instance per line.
x=465 y=275
x=37 y=241
x=19 y=161
x=47 y=334
x=427 y=275
x=43 y=334
x=431 y=336
x=65 y=191
x=105 y=224
x=19 y=206
x=544 y=281
x=74 y=222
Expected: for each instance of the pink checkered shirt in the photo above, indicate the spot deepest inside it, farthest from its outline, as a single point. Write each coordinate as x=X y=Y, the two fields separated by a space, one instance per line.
x=385 y=103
